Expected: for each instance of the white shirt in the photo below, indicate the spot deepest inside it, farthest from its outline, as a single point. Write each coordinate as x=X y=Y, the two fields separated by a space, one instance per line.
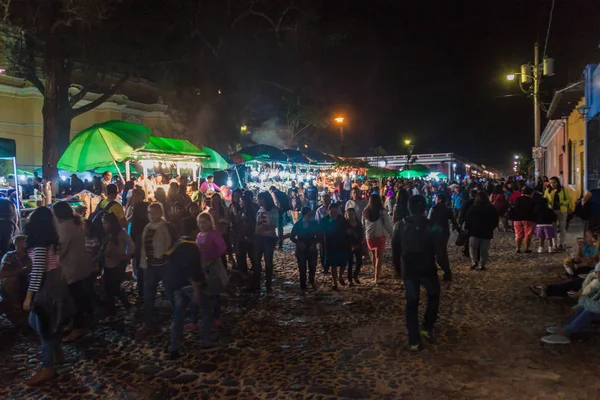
x=347 y=184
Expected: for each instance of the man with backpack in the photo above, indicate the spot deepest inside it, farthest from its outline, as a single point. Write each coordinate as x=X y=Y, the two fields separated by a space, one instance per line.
x=417 y=243
x=111 y=205
x=282 y=202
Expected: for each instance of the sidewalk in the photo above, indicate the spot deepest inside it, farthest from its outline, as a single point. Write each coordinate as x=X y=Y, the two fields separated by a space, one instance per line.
x=574 y=234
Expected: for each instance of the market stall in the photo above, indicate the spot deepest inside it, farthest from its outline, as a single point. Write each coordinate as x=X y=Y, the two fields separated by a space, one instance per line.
x=10 y=188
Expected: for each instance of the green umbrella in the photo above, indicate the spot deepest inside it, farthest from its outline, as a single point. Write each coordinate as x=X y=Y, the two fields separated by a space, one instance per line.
x=420 y=168
x=216 y=160
x=438 y=175
x=378 y=172
x=102 y=144
x=22 y=172
x=411 y=173
x=133 y=167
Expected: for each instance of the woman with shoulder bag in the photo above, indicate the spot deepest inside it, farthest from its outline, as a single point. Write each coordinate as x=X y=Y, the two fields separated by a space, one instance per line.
x=377 y=229
x=48 y=296
x=559 y=201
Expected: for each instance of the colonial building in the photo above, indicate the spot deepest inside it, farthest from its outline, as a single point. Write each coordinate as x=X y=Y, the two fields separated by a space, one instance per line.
x=21 y=114
x=564 y=140
x=450 y=164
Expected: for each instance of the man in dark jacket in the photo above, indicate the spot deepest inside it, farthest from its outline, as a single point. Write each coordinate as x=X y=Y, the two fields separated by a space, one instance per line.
x=462 y=217
x=416 y=246
x=481 y=222
x=282 y=202
x=442 y=216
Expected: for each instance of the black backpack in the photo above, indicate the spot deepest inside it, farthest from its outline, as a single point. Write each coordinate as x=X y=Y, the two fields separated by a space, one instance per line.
x=96 y=217
x=417 y=238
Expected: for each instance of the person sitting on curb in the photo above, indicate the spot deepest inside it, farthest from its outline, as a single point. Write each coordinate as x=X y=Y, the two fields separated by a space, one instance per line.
x=586 y=311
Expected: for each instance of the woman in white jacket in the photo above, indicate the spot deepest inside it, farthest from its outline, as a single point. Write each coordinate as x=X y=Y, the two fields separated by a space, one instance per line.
x=378 y=228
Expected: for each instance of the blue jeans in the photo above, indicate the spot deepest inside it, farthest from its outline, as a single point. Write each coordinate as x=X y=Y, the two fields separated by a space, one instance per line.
x=263 y=246
x=412 y=288
x=580 y=320
x=50 y=341
x=180 y=299
x=307 y=257
x=211 y=311
x=153 y=275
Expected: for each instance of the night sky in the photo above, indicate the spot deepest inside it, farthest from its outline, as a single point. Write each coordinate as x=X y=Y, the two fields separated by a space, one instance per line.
x=435 y=71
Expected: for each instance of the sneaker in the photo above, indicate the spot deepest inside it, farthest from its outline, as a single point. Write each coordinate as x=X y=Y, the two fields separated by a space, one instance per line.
x=568 y=269
x=314 y=286
x=550 y=250
x=335 y=288
x=474 y=267
x=415 y=347
x=42 y=376
x=527 y=251
x=428 y=336
x=556 y=339
x=342 y=282
x=518 y=251
x=482 y=268
x=190 y=327
x=174 y=355
x=356 y=280
x=553 y=330
x=540 y=250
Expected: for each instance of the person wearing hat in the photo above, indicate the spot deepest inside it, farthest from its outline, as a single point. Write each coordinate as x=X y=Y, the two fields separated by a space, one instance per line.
x=585 y=312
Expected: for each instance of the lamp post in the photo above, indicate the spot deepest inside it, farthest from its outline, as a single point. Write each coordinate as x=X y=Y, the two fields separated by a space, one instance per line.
x=340 y=121
x=535 y=73
x=409 y=150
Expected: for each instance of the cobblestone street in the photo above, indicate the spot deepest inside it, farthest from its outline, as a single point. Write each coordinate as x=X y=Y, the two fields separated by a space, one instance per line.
x=326 y=345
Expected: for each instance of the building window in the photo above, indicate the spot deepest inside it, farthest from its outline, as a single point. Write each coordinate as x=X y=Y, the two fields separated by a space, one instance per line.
x=571 y=161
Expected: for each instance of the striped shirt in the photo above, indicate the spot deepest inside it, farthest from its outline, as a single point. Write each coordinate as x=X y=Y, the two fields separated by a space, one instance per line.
x=44 y=259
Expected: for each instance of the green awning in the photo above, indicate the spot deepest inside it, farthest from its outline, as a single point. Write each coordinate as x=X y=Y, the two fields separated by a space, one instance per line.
x=379 y=172
x=172 y=146
x=8 y=148
x=216 y=161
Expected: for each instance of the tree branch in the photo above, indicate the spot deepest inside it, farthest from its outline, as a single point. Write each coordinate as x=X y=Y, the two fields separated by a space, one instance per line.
x=78 y=96
x=93 y=104
x=30 y=69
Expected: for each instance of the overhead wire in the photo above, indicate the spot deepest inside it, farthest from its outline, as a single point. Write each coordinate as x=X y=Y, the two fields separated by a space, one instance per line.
x=549 y=26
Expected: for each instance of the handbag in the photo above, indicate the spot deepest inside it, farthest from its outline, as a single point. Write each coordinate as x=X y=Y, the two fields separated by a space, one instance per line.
x=462 y=238
x=216 y=277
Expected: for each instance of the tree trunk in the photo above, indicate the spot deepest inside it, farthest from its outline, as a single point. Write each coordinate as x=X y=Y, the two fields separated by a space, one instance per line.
x=50 y=112
x=64 y=107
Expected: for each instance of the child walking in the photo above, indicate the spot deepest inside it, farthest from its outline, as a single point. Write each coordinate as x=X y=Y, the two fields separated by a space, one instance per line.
x=212 y=248
x=545 y=218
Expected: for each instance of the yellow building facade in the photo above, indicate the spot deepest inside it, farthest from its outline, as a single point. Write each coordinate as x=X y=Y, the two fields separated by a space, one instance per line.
x=575 y=150
x=21 y=117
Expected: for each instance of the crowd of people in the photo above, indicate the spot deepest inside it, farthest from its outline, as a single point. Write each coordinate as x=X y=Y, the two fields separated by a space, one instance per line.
x=64 y=267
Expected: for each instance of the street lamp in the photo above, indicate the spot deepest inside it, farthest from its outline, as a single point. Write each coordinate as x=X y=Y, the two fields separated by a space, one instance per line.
x=516 y=157
x=510 y=77
x=243 y=128
x=340 y=121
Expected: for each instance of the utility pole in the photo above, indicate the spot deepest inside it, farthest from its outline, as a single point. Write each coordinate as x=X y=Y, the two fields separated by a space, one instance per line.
x=535 y=73
x=536 y=107
x=341 y=140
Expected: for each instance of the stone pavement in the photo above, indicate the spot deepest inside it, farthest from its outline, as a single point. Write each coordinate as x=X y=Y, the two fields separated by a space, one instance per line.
x=327 y=345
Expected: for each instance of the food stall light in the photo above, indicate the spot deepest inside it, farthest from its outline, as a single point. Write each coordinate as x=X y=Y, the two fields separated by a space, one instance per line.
x=23 y=177
x=229 y=182
x=63 y=178
x=254 y=173
x=263 y=176
x=300 y=178
x=147 y=163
